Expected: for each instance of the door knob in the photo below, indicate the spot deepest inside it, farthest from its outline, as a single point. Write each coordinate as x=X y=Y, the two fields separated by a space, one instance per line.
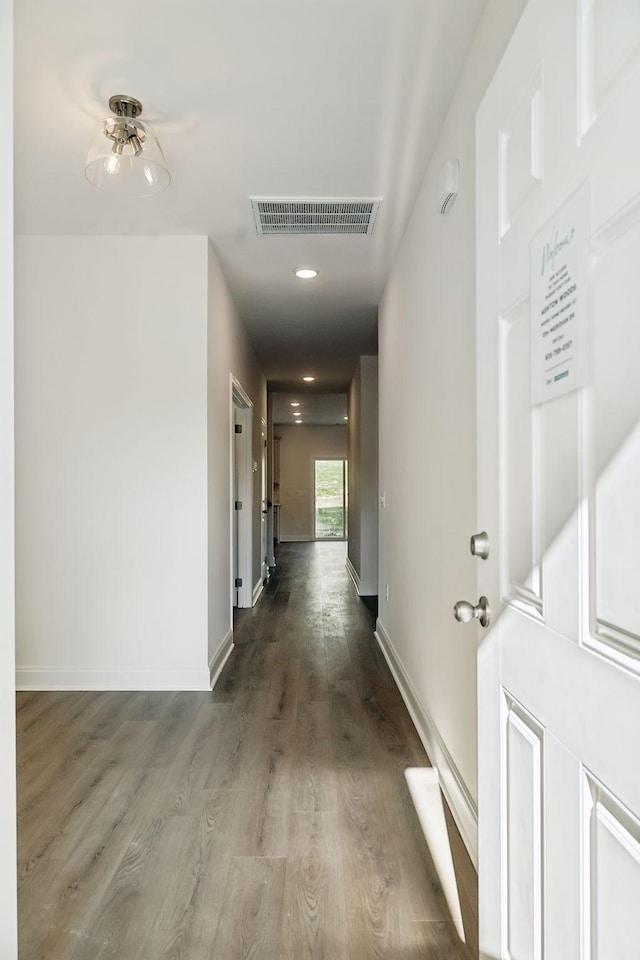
x=464 y=612
x=479 y=545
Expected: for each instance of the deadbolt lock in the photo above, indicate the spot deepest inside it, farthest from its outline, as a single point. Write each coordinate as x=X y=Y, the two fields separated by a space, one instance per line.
x=479 y=545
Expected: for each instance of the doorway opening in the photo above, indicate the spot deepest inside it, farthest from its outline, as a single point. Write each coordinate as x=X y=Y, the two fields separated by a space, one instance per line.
x=241 y=497
x=330 y=499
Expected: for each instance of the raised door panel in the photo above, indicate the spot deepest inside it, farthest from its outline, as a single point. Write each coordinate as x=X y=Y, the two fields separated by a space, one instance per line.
x=614 y=480
x=521 y=521
x=522 y=832
x=612 y=876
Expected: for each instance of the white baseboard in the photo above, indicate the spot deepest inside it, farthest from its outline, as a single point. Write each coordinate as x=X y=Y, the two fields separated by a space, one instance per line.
x=353 y=573
x=219 y=659
x=257 y=590
x=362 y=589
x=54 y=678
x=463 y=806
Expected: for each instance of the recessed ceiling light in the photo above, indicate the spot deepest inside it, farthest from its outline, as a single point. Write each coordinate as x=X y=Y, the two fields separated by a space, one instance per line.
x=297 y=422
x=306 y=273
x=295 y=404
x=296 y=413
x=345 y=418
x=308 y=379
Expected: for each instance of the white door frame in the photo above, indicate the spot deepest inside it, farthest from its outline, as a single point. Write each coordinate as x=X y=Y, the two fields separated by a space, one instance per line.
x=241 y=411
x=271 y=561
x=264 y=510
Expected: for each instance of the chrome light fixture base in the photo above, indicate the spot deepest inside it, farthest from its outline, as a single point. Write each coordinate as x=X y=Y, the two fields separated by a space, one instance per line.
x=124 y=106
x=125 y=158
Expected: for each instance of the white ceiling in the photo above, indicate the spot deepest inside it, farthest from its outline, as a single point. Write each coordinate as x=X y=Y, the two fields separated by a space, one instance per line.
x=278 y=98
x=314 y=408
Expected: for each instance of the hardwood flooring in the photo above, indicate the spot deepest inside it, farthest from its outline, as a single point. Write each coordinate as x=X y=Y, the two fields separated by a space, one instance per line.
x=267 y=819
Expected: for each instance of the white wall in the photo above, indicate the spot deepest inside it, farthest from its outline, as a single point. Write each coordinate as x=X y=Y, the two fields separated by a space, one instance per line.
x=428 y=441
x=363 y=477
x=124 y=356
x=229 y=353
x=298 y=447
x=8 y=905
x=111 y=462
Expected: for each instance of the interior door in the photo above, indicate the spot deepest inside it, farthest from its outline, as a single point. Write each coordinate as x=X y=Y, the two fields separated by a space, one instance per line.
x=558 y=207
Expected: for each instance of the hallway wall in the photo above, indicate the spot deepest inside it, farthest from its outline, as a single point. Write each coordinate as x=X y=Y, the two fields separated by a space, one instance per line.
x=125 y=348
x=362 y=556
x=111 y=435
x=229 y=352
x=298 y=447
x=8 y=904
x=428 y=443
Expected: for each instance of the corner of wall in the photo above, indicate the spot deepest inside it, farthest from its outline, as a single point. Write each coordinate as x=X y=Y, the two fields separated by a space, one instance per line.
x=230 y=354
x=428 y=466
x=219 y=658
x=8 y=885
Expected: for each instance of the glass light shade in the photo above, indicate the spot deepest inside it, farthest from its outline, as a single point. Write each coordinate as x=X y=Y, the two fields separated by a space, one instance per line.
x=135 y=168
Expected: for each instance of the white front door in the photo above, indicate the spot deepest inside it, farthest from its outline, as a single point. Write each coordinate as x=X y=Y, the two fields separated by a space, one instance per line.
x=558 y=286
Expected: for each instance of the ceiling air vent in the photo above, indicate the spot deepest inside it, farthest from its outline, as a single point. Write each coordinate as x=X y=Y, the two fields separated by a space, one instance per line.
x=283 y=216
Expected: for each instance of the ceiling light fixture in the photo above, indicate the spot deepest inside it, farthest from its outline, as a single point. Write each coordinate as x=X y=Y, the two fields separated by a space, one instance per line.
x=125 y=157
x=345 y=418
x=295 y=403
x=297 y=422
x=308 y=379
x=296 y=413
x=306 y=273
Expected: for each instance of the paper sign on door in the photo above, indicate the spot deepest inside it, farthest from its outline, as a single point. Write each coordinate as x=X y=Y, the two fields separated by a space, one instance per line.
x=560 y=301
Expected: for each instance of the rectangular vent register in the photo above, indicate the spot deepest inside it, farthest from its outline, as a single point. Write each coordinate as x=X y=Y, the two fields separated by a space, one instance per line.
x=307 y=216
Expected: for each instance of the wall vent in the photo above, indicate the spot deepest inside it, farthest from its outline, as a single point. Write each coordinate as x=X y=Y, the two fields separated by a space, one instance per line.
x=324 y=216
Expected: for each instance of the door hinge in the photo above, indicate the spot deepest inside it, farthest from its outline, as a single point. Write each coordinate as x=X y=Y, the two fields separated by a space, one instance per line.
x=238 y=428
x=238 y=504
x=238 y=581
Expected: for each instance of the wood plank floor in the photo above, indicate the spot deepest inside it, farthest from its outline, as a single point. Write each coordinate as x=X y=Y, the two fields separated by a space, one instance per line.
x=268 y=819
